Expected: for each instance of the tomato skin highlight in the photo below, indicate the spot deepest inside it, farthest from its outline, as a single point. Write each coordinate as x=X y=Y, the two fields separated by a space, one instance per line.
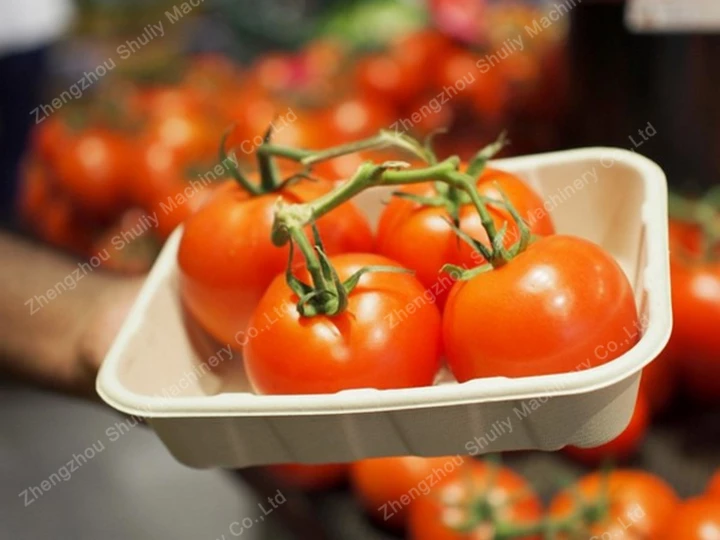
x=227 y=260
x=437 y=515
x=421 y=238
x=566 y=298
x=621 y=447
x=380 y=481
x=366 y=346
x=694 y=519
x=638 y=501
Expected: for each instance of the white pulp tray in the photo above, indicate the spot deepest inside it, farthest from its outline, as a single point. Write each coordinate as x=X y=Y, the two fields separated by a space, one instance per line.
x=205 y=412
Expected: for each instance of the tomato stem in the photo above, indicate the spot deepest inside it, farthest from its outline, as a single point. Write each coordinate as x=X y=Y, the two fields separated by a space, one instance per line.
x=232 y=167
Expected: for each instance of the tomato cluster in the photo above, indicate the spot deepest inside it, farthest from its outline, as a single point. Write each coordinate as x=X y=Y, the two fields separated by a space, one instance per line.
x=463 y=498
x=480 y=245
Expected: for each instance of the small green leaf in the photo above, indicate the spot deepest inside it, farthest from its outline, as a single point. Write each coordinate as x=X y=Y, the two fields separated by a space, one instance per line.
x=477 y=163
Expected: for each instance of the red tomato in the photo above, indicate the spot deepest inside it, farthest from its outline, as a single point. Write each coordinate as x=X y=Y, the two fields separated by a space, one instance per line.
x=457 y=75
x=389 y=79
x=388 y=486
x=366 y=346
x=190 y=136
x=164 y=186
x=254 y=111
x=92 y=170
x=638 y=504
x=456 y=502
x=621 y=447
x=695 y=342
x=405 y=225
x=310 y=477
x=568 y=299
x=713 y=488
x=227 y=260
x=355 y=118
x=694 y=519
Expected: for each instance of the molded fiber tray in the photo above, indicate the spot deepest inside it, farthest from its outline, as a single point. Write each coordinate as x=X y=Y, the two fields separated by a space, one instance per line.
x=207 y=415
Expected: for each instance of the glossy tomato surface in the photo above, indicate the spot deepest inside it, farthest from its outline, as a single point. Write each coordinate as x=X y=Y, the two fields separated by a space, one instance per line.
x=91 y=169
x=388 y=486
x=694 y=519
x=421 y=238
x=227 y=260
x=567 y=300
x=451 y=511
x=638 y=504
x=388 y=337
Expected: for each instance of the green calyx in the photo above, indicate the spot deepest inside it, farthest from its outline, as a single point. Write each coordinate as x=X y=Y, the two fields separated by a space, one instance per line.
x=327 y=295
x=485 y=512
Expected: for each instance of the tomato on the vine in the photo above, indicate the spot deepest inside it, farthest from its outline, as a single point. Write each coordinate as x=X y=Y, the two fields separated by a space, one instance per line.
x=388 y=486
x=694 y=519
x=461 y=506
x=310 y=477
x=566 y=297
x=637 y=503
x=421 y=237
x=227 y=260
x=367 y=345
x=388 y=79
x=621 y=447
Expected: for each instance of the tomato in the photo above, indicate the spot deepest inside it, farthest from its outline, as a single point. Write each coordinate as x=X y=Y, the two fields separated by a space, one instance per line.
x=388 y=78
x=167 y=189
x=638 y=504
x=354 y=118
x=366 y=346
x=621 y=447
x=568 y=299
x=457 y=500
x=713 y=488
x=227 y=260
x=489 y=96
x=695 y=342
x=188 y=135
x=253 y=111
x=405 y=226
x=694 y=519
x=310 y=477
x=388 y=486
x=91 y=169
x=457 y=75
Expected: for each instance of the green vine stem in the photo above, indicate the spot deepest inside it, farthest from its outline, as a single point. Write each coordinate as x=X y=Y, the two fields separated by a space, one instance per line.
x=291 y=219
x=482 y=511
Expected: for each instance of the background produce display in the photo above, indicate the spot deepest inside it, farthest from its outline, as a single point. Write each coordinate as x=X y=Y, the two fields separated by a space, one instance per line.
x=110 y=175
